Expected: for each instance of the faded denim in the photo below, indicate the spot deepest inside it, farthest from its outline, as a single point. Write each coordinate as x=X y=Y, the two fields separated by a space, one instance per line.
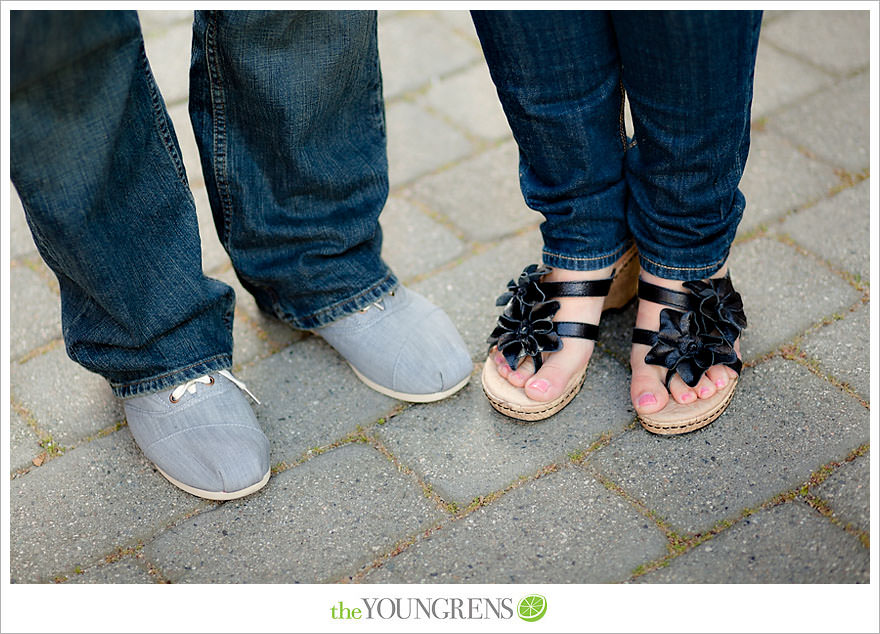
x=288 y=114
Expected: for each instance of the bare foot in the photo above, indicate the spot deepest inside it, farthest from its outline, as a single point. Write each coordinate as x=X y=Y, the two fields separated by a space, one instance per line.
x=558 y=367
x=648 y=391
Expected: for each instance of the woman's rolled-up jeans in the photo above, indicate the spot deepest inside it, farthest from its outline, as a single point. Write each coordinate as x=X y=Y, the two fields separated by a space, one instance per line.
x=288 y=115
x=561 y=78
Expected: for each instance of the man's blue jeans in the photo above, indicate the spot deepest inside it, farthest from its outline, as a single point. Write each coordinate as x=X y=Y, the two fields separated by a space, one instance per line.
x=561 y=77
x=288 y=114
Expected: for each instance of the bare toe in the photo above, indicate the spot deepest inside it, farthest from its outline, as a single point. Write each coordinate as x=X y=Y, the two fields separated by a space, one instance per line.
x=647 y=391
x=522 y=374
x=719 y=376
x=705 y=388
x=680 y=391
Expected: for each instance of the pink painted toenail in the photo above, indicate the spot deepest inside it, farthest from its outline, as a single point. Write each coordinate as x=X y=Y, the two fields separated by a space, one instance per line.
x=517 y=376
x=720 y=383
x=704 y=391
x=647 y=399
x=542 y=385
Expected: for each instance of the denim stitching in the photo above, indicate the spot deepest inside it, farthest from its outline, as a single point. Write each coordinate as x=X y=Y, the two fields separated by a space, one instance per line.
x=578 y=259
x=718 y=263
x=218 y=122
x=160 y=118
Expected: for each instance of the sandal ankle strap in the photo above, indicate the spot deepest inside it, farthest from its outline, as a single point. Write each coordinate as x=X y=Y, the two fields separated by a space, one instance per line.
x=659 y=295
x=584 y=288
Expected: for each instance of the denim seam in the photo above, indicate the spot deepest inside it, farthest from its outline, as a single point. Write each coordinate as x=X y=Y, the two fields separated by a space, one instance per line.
x=560 y=256
x=160 y=119
x=717 y=263
x=218 y=122
x=163 y=375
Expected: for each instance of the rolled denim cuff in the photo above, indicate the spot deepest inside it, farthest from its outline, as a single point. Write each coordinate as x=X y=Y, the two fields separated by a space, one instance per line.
x=343 y=307
x=583 y=262
x=689 y=273
x=172 y=378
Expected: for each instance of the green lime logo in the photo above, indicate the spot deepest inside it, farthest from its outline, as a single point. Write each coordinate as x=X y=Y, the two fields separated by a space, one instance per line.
x=532 y=607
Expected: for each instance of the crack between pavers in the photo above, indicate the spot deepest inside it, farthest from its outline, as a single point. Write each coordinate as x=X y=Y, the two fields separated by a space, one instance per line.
x=852 y=279
x=479 y=502
x=682 y=544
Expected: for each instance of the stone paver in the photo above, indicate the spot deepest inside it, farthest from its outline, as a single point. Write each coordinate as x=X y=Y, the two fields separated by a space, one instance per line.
x=126 y=570
x=783 y=424
x=169 y=54
x=789 y=543
x=67 y=401
x=564 y=528
x=779 y=179
x=838 y=40
x=36 y=319
x=432 y=48
x=310 y=398
x=463 y=448
x=770 y=94
x=413 y=243
x=847 y=491
x=483 y=117
x=75 y=510
x=842 y=349
x=846 y=245
x=419 y=142
x=784 y=293
x=24 y=444
x=481 y=196
x=350 y=504
x=831 y=124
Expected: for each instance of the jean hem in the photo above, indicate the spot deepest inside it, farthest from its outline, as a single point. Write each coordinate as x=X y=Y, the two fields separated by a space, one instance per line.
x=344 y=307
x=582 y=263
x=172 y=378
x=680 y=273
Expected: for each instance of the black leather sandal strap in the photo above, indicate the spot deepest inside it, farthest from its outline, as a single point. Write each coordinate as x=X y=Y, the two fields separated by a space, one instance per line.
x=646 y=337
x=577 y=329
x=585 y=288
x=659 y=295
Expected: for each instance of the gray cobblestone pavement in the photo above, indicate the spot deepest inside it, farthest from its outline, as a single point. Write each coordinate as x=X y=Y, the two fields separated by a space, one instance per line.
x=368 y=489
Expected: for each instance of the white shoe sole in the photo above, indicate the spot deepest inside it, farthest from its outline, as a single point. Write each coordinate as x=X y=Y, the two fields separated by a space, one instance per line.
x=412 y=398
x=218 y=495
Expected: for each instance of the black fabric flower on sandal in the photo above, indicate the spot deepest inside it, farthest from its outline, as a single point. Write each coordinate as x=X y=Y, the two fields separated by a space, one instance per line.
x=526 y=289
x=526 y=330
x=682 y=345
x=719 y=307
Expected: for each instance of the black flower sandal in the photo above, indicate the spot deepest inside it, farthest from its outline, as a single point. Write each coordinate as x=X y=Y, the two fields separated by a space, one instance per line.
x=526 y=329
x=696 y=332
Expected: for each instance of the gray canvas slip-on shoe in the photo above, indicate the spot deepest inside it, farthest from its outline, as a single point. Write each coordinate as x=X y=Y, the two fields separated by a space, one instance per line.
x=203 y=436
x=404 y=347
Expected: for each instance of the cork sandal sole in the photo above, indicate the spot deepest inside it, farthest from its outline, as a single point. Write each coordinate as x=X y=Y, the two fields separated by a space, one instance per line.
x=677 y=418
x=512 y=401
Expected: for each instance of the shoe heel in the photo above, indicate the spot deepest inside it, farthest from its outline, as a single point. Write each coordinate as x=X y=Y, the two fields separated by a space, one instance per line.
x=626 y=281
